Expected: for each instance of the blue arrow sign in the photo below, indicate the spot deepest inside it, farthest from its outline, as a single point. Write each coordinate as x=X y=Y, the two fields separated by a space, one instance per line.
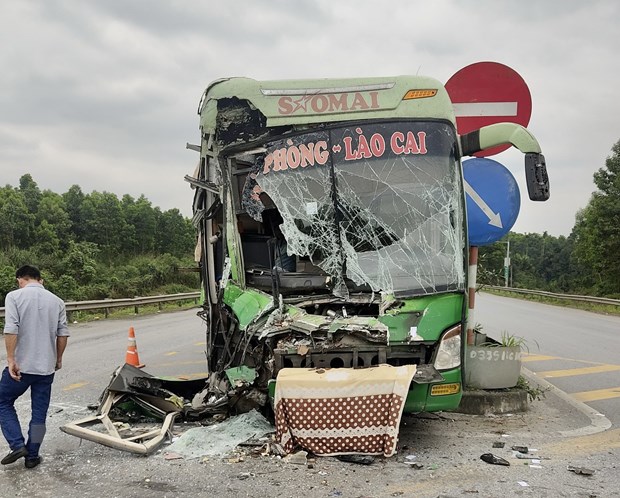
x=493 y=200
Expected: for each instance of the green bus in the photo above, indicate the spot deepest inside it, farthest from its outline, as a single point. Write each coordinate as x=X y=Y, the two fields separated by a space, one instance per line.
x=332 y=229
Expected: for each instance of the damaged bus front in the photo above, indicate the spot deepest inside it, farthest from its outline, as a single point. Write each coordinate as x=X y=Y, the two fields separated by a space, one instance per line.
x=332 y=232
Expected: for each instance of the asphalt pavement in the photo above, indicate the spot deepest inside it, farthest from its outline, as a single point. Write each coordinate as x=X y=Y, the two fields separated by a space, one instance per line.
x=439 y=455
x=572 y=450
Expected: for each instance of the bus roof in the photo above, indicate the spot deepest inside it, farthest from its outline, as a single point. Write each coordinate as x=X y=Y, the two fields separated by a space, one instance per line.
x=299 y=102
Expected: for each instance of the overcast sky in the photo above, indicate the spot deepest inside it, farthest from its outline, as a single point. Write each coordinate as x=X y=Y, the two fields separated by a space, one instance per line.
x=104 y=94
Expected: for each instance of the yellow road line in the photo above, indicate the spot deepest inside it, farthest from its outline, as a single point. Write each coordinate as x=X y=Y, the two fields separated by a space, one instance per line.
x=200 y=344
x=537 y=357
x=171 y=353
x=541 y=357
x=578 y=371
x=77 y=385
x=598 y=394
x=586 y=445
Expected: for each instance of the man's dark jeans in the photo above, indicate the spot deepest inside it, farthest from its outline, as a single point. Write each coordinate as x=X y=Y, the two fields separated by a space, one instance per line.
x=40 y=394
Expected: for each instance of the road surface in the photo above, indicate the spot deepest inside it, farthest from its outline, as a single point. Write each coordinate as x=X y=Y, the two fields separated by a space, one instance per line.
x=446 y=447
x=577 y=351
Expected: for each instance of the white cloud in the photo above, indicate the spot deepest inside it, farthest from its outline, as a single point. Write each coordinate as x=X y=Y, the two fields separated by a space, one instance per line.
x=104 y=94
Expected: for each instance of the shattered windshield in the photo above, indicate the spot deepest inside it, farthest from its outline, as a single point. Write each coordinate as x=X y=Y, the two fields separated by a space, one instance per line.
x=376 y=206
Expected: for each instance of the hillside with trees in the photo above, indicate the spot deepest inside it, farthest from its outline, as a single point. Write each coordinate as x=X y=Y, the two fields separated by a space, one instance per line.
x=93 y=246
x=586 y=262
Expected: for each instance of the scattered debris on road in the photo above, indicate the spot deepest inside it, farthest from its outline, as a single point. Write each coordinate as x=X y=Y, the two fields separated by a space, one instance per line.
x=132 y=396
x=580 y=470
x=222 y=438
x=359 y=459
x=493 y=459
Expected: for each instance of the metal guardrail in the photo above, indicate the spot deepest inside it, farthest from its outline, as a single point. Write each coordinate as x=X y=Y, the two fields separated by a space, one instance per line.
x=107 y=304
x=569 y=297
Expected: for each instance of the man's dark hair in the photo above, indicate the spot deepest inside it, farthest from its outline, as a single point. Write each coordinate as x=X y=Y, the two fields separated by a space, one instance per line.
x=28 y=271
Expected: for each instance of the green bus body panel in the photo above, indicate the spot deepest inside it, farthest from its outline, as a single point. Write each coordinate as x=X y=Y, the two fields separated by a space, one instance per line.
x=363 y=100
x=246 y=304
x=513 y=133
x=419 y=398
x=437 y=314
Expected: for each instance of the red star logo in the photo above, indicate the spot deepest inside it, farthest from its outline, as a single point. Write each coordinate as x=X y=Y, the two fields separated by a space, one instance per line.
x=302 y=103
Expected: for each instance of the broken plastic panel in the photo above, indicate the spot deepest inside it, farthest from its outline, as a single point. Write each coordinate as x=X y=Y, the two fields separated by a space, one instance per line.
x=376 y=206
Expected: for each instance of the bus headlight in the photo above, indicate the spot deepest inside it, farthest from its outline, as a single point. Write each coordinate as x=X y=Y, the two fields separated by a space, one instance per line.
x=449 y=351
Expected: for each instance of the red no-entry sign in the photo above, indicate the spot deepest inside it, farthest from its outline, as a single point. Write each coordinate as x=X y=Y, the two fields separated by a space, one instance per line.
x=485 y=93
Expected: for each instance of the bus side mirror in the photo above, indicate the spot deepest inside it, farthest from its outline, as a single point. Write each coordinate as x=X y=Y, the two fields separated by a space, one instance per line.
x=536 y=176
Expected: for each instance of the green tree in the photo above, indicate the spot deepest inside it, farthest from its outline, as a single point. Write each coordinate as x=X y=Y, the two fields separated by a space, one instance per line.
x=7 y=281
x=175 y=234
x=597 y=228
x=74 y=201
x=32 y=195
x=93 y=246
x=46 y=240
x=104 y=222
x=16 y=221
x=141 y=217
x=538 y=261
x=53 y=225
x=491 y=263
x=80 y=262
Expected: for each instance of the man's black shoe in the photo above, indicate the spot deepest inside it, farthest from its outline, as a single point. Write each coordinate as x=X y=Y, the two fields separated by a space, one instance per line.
x=14 y=456
x=31 y=463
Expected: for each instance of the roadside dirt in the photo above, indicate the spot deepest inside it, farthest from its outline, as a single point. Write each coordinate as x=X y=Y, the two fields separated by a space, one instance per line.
x=438 y=456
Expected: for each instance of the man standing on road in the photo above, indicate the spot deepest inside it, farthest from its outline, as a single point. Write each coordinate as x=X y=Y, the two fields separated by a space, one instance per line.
x=35 y=334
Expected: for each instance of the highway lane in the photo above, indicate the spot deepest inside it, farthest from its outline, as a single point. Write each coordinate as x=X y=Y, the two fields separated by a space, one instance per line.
x=173 y=344
x=577 y=351
x=170 y=344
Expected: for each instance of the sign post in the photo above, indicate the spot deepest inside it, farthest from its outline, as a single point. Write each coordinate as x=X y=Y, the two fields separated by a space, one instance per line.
x=493 y=202
x=483 y=94
x=507 y=264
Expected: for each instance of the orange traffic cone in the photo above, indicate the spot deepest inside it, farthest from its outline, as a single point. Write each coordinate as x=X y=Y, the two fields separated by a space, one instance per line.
x=131 y=357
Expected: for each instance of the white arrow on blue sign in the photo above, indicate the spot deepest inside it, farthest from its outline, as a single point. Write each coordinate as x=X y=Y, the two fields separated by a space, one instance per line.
x=493 y=200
